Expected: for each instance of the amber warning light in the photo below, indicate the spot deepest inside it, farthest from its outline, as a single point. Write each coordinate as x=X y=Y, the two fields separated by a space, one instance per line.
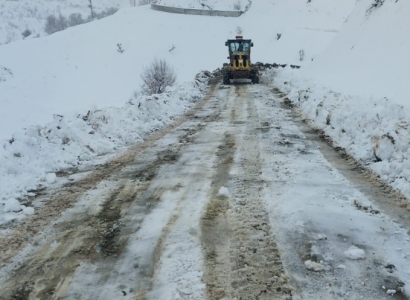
x=239 y=37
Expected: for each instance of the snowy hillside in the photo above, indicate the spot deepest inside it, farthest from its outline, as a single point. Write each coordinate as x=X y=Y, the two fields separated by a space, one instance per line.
x=370 y=55
x=207 y=4
x=80 y=69
x=20 y=15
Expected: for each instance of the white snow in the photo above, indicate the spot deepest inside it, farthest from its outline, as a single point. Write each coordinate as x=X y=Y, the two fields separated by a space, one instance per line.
x=18 y=15
x=28 y=210
x=224 y=192
x=12 y=205
x=51 y=177
x=68 y=98
x=391 y=292
x=354 y=253
x=314 y=266
x=356 y=90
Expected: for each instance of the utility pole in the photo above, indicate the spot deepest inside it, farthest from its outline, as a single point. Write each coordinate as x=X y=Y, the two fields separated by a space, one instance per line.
x=91 y=7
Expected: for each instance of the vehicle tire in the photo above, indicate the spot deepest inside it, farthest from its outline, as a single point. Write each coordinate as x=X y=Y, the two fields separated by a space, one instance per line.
x=226 y=79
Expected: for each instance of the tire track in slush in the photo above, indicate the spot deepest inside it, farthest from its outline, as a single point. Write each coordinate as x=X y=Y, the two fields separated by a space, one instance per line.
x=215 y=229
x=241 y=256
x=95 y=238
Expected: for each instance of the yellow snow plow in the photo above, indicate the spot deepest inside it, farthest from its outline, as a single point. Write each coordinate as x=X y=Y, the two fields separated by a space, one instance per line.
x=239 y=66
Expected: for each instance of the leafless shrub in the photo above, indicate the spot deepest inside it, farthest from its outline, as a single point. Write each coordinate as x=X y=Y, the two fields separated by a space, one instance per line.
x=75 y=19
x=26 y=33
x=239 y=30
x=237 y=6
x=105 y=13
x=111 y=10
x=119 y=48
x=144 y=2
x=278 y=36
x=374 y=5
x=156 y=77
x=54 y=24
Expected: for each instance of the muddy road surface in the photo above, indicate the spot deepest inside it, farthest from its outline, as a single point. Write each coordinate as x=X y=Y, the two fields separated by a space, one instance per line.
x=238 y=199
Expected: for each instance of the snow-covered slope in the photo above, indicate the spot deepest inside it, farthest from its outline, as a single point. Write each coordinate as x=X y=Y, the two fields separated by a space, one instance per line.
x=18 y=15
x=370 y=55
x=80 y=68
x=207 y=4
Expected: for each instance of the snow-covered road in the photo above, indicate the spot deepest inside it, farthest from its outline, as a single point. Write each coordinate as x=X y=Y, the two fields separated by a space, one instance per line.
x=238 y=199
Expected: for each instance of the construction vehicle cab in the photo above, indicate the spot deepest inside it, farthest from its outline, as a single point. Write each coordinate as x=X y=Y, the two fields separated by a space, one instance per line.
x=239 y=66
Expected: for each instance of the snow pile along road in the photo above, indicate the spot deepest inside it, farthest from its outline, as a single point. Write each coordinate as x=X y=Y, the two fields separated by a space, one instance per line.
x=372 y=130
x=356 y=91
x=31 y=157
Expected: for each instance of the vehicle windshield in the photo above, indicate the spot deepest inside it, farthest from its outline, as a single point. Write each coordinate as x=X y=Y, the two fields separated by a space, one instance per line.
x=239 y=46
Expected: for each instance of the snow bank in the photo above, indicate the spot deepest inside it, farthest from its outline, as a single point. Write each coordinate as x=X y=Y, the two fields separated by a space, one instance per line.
x=374 y=130
x=12 y=205
x=357 y=90
x=76 y=140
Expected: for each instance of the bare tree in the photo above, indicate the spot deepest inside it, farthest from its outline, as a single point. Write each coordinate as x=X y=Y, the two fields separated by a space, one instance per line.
x=54 y=24
x=156 y=77
x=26 y=33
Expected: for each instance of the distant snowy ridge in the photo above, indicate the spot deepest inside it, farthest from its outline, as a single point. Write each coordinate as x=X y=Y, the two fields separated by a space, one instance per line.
x=226 y=5
x=34 y=153
x=20 y=15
